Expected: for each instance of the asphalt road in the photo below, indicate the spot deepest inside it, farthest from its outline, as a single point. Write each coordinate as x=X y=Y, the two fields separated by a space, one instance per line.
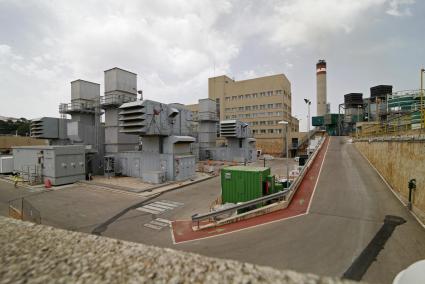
x=348 y=209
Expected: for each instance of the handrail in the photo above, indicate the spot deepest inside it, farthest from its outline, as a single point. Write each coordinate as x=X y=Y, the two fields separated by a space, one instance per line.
x=281 y=194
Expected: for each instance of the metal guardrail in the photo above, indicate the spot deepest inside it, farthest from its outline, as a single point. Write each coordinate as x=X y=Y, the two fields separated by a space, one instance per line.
x=278 y=195
x=117 y=99
x=88 y=106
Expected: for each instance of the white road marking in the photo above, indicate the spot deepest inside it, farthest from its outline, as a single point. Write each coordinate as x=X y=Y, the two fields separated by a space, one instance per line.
x=173 y=202
x=147 y=210
x=158 y=223
x=163 y=221
x=149 y=225
x=155 y=204
x=154 y=208
x=172 y=206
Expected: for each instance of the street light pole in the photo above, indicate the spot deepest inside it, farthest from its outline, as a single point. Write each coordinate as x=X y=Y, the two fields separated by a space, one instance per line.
x=285 y=123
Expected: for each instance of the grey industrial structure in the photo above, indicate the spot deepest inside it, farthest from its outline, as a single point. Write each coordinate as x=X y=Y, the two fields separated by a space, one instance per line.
x=140 y=138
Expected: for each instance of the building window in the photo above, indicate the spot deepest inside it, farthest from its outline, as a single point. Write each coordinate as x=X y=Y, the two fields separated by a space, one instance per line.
x=255 y=123
x=270 y=131
x=270 y=122
x=269 y=105
x=233 y=116
x=278 y=105
x=227 y=99
x=262 y=94
x=255 y=107
x=240 y=108
x=279 y=131
x=254 y=131
x=234 y=98
x=263 y=131
x=241 y=97
x=248 y=108
x=262 y=123
x=247 y=96
x=262 y=106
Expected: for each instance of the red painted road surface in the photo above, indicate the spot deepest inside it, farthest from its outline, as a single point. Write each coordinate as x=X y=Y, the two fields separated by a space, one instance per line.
x=182 y=230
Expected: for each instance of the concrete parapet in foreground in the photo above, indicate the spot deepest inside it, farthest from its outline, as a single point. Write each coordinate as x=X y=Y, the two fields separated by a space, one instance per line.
x=40 y=254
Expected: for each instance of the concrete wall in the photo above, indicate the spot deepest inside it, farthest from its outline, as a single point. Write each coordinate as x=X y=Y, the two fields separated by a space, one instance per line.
x=58 y=256
x=398 y=162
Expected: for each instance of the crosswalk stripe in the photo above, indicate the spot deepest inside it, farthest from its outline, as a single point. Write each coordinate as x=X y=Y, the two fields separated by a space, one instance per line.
x=159 y=223
x=173 y=202
x=143 y=209
x=154 y=208
x=167 y=204
x=149 y=225
x=163 y=220
x=161 y=206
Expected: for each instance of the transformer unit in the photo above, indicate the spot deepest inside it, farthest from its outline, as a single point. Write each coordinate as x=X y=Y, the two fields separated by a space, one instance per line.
x=59 y=164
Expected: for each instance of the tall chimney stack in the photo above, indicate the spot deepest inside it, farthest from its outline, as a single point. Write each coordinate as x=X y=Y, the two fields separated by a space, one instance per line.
x=321 y=87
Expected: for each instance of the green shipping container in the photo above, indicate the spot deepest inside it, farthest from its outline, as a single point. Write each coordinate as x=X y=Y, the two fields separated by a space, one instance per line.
x=317 y=120
x=240 y=183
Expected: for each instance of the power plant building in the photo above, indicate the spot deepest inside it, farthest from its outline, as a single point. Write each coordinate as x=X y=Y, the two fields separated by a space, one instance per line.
x=260 y=102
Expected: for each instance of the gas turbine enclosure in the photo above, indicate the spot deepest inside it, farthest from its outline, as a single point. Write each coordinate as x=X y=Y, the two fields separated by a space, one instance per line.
x=49 y=128
x=234 y=129
x=153 y=118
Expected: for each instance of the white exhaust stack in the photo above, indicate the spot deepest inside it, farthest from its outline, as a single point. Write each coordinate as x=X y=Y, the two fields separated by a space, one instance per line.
x=321 y=87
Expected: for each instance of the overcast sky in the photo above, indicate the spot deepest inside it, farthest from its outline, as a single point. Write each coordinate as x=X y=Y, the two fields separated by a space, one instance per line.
x=174 y=46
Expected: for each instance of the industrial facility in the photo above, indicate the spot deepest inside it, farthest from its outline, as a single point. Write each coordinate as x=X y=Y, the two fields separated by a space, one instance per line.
x=139 y=138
